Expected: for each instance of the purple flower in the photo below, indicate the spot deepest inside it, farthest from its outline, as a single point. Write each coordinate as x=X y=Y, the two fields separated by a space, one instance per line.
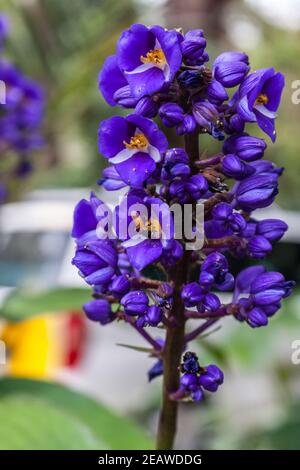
x=155 y=370
x=259 y=98
x=272 y=229
x=99 y=310
x=259 y=247
x=148 y=57
x=216 y=92
x=235 y=168
x=265 y=291
x=96 y=261
x=120 y=285
x=111 y=81
x=190 y=79
x=211 y=378
x=205 y=113
x=234 y=221
x=257 y=191
x=111 y=179
x=152 y=317
x=230 y=68
x=245 y=146
x=176 y=164
x=86 y=216
x=171 y=114
x=135 y=303
x=134 y=145
x=217 y=265
x=147 y=230
x=187 y=126
x=146 y=107
x=193 y=46
x=192 y=294
x=196 y=186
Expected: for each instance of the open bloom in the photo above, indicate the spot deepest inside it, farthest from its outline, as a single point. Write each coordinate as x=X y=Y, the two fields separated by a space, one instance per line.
x=148 y=57
x=134 y=145
x=145 y=224
x=259 y=98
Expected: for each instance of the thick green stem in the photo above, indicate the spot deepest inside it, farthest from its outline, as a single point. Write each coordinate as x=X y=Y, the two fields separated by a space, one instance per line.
x=174 y=343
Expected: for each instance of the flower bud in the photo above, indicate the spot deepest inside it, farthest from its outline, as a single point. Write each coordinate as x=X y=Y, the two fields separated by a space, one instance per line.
x=212 y=378
x=171 y=114
x=216 y=93
x=192 y=294
x=230 y=73
x=193 y=46
x=99 y=310
x=187 y=126
x=120 y=285
x=196 y=186
x=257 y=317
x=233 y=167
x=124 y=98
x=205 y=113
x=146 y=107
x=259 y=247
x=257 y=191
x=190 y=79
x=246 y=147
x=272 y=229
x=135 y=303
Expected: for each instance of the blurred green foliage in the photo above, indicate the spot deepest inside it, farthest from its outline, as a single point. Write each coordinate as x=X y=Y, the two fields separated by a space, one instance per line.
x=41 y=415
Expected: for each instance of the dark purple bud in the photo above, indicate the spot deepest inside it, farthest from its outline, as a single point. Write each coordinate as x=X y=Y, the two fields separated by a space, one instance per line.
x=99 y=310
x=190 y=79
x=190 y=363
x=235 y=168
x=216 y=93
x=171 y=114
x=177 y=189
x=257 y=317
x=124 y=98
x=246 y=147
x=197 y=186
x=193 y=45
x=272 y=229
x=187 y=126
x=135 y=303
x=269 y=288
x=212 y=378
x=146 y=107
x=259 y=247
x=230 y=74
x=192 y=294
x=120 y=285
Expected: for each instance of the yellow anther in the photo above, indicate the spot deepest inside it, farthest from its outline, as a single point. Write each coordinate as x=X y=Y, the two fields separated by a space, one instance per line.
x=137 y=142
x=262 y=99
x=155 y=56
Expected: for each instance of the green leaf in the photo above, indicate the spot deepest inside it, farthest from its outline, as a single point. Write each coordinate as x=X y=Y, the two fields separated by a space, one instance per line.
x=136 y=348
x=42 y=415
x=21 y=305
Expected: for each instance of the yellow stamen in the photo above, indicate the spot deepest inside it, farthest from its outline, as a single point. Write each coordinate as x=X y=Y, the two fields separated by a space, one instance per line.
x=137 y=142
x=262 y=99
x=155 y=56
x=150 y=226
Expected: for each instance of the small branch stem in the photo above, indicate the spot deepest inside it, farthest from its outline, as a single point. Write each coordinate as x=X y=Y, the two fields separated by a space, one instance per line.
x=174 y=343
x=198 y=331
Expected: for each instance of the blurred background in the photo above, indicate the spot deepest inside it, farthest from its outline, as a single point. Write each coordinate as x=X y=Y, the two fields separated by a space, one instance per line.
x=77 y=378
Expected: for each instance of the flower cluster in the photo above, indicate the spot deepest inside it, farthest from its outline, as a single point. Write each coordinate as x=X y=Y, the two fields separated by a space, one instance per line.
x=164 y=73
x=196 y=378
x=22 y=109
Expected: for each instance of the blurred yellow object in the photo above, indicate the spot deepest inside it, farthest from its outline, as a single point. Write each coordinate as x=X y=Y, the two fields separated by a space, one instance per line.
x=38 y=347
